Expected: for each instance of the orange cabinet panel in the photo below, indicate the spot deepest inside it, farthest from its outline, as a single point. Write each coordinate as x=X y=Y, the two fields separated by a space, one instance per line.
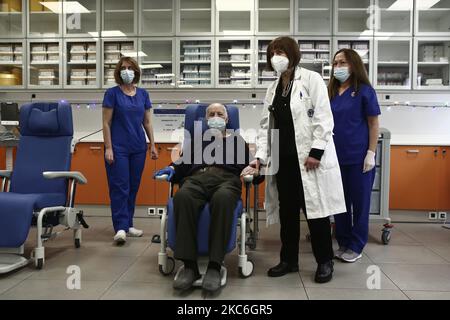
x=2 y=158
x=444 y=179
x=414 y=178
x=88 y=158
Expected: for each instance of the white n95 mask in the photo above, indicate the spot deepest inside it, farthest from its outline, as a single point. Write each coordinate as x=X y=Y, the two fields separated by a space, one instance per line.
x=127 y=76
x=280 y=64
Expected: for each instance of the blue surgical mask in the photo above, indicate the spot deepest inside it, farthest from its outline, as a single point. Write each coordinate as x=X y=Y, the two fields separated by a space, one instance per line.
x=342 y=74
x=127 y=76
x=217 y=123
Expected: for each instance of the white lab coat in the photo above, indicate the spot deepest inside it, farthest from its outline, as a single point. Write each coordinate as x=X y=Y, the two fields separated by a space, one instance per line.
x=324 y=195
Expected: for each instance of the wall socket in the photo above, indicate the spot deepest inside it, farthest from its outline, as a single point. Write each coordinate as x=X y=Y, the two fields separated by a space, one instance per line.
x=160 y=211
x=432 y=215
x=443 y=216
x=151 y=211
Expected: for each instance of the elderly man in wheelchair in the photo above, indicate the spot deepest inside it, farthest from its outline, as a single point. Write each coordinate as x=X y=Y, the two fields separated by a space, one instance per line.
x=208 y=175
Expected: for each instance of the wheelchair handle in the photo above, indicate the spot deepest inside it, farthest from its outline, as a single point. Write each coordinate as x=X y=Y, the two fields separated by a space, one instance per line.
x=248 y=178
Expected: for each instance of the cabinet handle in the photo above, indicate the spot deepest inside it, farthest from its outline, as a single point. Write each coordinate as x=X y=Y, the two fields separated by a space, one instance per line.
x=412 y=151
x=95 y=148
x=172 y=149
x=444 y=152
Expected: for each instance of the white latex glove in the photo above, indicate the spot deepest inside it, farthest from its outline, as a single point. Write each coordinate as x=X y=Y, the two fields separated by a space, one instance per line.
x=369 y=161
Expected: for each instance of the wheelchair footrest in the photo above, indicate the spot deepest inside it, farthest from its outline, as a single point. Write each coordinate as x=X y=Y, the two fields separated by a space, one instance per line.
x=11 y=262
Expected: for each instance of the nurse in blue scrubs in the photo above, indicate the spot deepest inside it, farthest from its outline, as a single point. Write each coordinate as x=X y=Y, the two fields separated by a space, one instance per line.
x=126 y=122
x=355 y=110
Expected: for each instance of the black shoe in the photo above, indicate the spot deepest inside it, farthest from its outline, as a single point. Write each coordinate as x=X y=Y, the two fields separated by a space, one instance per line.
x=324 y=272
x=281 y=269
x=185 y=279
x=212 y=280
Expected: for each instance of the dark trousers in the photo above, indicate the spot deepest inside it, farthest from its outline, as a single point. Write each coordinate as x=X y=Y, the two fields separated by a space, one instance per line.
x=292 y=199
x=222 y=190
x=124 y=177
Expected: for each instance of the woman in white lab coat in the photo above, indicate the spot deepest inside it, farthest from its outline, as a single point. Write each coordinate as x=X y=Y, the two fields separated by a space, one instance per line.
x=299 y=159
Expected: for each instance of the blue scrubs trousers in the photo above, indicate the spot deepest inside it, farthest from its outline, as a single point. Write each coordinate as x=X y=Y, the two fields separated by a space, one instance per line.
x=124 y=177
x=352 y=227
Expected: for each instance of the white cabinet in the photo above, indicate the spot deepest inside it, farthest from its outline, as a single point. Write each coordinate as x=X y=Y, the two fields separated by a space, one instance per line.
x=362 y=45
x=432 y=17
x=119 y=18
x=432 y=70
x=157 y=62
x=393 y=17
x=44 y=18
x=45 y=63
x=234 y=65
x=316 y=55
x=113 y=50
x=195 y=17
x=234 y=17
x=82 y=61
x=195 y=62
x=157 y=17
x=11 y=19
x=274 y=17
x=353 y=17
x=81 y=18
x=313 y=17
x=264 y=76
x=12 y=61
x=393 y=63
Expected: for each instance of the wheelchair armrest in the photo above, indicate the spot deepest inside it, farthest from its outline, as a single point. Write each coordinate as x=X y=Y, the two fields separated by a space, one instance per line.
x=5 y=174
x=75 y=175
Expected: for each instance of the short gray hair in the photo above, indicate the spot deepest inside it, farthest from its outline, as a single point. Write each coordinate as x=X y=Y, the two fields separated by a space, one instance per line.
x=217 y=105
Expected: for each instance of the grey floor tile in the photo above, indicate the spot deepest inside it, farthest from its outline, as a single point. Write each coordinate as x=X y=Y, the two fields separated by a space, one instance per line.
x=55 y=290
x=428 y=234
x=419 y=277
x=444 y=252
x=146 y=269
x=93 y=267
x=148 y=291
x=232 y=292
x=354 y=294
x=345 y=276
x=428 y=295
x=403 y=255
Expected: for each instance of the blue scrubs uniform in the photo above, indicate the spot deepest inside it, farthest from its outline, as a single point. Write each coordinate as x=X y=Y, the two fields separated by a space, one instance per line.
x=351 y=137
x=129 y=147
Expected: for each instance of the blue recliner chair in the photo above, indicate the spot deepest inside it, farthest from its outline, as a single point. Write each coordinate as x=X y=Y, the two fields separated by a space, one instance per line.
x=41 y=189
x=195 y=124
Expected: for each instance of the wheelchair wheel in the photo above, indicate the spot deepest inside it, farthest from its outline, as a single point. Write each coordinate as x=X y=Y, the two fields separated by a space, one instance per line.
x=39 y=263
x=77 y=243
x=247 y=271
x=386 y=237
x=169 y=267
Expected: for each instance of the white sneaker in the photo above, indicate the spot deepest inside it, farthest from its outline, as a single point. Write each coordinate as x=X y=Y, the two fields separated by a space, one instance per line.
x=351 y=256
x=120 y=237
x=133 y=232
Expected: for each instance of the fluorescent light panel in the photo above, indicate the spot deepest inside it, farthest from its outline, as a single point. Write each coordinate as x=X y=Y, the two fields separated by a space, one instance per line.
x=68 y=7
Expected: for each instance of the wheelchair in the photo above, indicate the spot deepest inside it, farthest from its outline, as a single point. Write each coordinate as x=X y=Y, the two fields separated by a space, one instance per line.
x=243 y=216
x=40 y=190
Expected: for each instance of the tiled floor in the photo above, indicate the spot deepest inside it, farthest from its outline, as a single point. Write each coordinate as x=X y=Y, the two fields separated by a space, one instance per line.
x=416 y=265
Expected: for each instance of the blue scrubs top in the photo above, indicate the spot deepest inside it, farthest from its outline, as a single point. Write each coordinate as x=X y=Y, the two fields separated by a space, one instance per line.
x=351 y=130
x=127 y=132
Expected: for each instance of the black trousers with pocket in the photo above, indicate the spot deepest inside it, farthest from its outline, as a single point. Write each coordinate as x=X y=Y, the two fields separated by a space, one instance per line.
x=291 y=200
x=222 y=189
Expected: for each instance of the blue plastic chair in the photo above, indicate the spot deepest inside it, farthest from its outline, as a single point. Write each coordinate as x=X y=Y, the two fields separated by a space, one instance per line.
x=41 y=189
x=195 y=124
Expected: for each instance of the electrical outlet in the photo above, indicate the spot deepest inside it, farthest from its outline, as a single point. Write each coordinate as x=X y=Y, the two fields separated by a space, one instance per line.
x=432 y=215
x=443 y=216
x=161 y=211
x=151 y=211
